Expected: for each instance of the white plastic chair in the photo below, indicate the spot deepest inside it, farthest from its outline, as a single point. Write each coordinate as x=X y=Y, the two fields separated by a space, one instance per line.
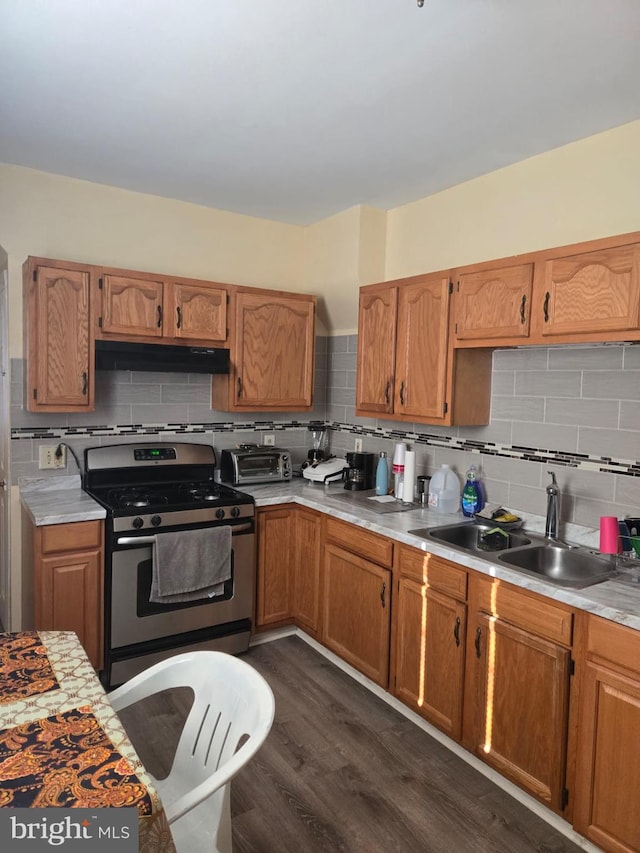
x=232 y=702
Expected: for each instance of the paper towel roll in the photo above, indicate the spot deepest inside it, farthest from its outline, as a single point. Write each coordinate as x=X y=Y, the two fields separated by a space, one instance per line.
x=409 y=487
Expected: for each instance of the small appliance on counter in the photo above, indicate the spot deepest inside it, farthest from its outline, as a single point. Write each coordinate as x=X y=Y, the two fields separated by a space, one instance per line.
x=360 y=473
x=318 y=452
x=328 y=471
x=250 y=464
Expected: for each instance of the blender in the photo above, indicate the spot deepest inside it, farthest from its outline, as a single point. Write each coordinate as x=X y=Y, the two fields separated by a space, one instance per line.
x=318 y=450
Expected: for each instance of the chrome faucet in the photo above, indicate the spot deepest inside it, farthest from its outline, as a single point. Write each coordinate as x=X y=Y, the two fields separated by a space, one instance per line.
x=553 y=508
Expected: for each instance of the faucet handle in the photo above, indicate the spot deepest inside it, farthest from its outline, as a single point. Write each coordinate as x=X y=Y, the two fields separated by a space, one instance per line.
x=552 y=487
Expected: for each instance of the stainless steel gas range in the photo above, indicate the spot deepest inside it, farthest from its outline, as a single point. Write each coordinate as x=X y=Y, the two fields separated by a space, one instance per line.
x=149 y=490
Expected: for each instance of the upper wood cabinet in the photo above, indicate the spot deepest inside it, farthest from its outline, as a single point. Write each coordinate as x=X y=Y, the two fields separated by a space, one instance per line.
x=142 y=306
x=493 y=304
x=272 y=353
x=406 y=369
x=58 y=339
x=590 y=293
x=608 y=755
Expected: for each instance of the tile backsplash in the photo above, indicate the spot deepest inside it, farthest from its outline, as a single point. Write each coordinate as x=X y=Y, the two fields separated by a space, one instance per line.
x=573 y=410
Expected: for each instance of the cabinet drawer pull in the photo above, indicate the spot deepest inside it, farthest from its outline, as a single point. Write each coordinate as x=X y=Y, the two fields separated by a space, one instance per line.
x=522 y=307
x=179 y=320
x=159 y=323
x=85 y=382
x=382 y=594
x=239 y=387
x=456 y=631
x=477 y=641
x=547 y=297
x=402 y=393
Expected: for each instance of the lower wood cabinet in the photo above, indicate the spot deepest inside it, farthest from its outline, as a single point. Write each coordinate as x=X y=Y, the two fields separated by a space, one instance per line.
x=68 y=566
x=430 y=616
x=288 y=588
x=608 y=756
x=517 y=686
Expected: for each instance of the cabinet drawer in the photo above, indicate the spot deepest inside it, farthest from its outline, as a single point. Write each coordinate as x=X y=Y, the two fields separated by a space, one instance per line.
x=76 y=536
x=526 y=610
x=439 y=574
x=352 y=538
x=616 y=643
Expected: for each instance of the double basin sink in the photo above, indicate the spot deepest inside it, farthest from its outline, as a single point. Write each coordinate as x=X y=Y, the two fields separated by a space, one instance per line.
x=562 y=564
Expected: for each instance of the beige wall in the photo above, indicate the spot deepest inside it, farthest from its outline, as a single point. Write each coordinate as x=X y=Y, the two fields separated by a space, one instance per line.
x=56 y=217
x=581 y=191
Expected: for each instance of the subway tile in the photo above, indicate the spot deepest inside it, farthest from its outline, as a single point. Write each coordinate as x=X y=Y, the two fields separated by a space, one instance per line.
x=338 y=344
x=597 y=413
x=561 y=383
x=16 y=370
x=530 y=358
x=341 y=396
x=502 y=469
x=523 y=498
x=151 y=377
x=545 y=436
x=183 y=394
x=503 y=382
x=517 y=408
x=629 y=415
x=199 y=379
x=22 y=418
x=102 y=416
x=587 y=484
x=22 y=450
x=496 y=492
x=588 y=511
x=585 y=358
x=611 y=384
x=497 y=432
x=631 y=357
x=338 y=379
x=342 y=361
x=175 y=413
x=620 y=444
x=139 y=393
x=627 y=492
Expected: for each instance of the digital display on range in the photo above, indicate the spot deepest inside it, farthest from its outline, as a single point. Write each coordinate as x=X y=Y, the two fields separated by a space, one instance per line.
x=153 y=454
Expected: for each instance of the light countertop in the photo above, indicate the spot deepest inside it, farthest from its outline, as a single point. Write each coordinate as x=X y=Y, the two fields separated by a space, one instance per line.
x=65 y=501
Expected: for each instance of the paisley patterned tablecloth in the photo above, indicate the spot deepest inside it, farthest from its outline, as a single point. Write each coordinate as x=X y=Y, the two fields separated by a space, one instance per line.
x=55 y=715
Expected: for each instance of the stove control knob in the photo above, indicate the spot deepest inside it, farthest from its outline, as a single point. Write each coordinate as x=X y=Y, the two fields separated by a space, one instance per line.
x=235 y=512
x=156 y=520
x=137 y=522
x=219 y=513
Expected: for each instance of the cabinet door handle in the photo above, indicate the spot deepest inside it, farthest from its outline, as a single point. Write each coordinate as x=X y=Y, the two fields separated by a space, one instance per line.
x=456 y=631
x=239 y=387
x=386 y=392
x=179 y=320
x=85 y=382
x=402 y=393
x=382 y=594
x=477 y=642
x=547 y=297
x=522 y=307
x=159 y=323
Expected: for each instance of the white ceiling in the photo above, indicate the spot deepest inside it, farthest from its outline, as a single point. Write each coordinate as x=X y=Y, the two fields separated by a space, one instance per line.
x=294 y=110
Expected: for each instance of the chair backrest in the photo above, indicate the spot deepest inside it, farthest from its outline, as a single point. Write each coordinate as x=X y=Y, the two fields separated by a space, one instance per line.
x=231 y=715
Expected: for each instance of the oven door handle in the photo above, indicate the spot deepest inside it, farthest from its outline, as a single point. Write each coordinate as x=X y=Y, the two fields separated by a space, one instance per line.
x=150 y=540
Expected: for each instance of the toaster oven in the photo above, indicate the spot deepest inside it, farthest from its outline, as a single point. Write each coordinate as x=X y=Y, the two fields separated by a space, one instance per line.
x=255 y=463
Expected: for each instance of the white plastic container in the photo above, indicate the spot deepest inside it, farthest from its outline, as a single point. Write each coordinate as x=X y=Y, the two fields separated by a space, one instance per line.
x=444 y=491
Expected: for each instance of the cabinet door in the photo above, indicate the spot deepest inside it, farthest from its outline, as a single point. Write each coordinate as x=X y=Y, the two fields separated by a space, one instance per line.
x=131 y=306
x=518 y=685
x=430 y=645
x=306 y=585
x=377 y=316
x=494 y=304
x=60 y=361
x=70 y=598
x=198 y=312
x=356 y=623
x=594 y=292
x=606 y=808
x=275 y=339
x=275 y=565
x=421 y=349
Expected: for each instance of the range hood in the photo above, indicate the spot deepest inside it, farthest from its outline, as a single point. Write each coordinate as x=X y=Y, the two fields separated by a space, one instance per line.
x=122 y=355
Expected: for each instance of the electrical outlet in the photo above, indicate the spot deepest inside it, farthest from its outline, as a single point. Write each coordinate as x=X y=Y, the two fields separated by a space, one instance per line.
x=48 y=458
x=269 y=440
x=358 y=446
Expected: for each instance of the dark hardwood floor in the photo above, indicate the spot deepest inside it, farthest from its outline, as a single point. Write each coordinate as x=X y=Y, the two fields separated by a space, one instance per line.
x=342 y=771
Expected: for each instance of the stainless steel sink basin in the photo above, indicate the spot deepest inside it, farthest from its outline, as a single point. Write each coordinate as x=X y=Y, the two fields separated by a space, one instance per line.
x=572 y=567
x=467 y=535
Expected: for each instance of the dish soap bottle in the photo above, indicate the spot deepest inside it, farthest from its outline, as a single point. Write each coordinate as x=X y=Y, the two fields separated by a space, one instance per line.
x=472 y=501
x=382 y=475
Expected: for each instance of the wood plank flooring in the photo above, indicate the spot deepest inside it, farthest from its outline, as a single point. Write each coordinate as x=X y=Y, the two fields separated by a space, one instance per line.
x=342 y=771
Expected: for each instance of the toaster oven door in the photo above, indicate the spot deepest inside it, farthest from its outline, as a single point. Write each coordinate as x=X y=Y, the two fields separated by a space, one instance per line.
x=260 y=468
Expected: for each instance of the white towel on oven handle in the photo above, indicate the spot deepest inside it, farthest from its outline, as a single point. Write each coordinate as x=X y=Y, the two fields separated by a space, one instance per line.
x=188 y=565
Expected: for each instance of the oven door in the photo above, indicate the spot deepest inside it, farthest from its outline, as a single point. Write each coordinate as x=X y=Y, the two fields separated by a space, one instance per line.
x=134 y=619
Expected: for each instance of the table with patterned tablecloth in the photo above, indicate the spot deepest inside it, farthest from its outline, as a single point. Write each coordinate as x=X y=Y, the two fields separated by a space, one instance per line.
x=61 y=742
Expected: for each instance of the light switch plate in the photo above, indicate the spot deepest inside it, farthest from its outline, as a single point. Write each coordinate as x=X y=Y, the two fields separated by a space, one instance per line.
x=358 y=445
